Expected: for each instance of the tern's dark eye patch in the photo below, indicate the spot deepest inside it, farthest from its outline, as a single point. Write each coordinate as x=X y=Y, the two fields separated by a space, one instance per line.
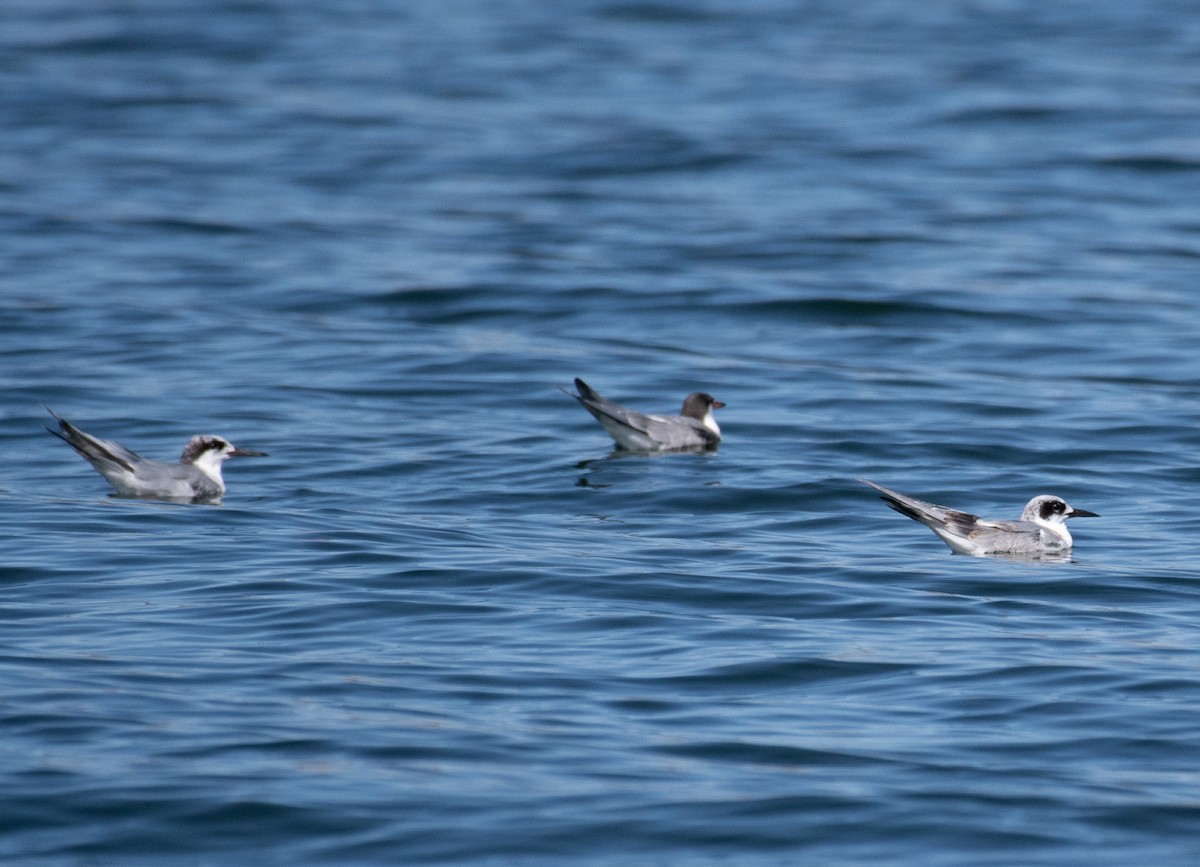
x=199 y=445
x=1053 y=507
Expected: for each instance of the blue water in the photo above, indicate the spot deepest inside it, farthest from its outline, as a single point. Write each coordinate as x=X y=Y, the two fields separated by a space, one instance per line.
x=949 y=247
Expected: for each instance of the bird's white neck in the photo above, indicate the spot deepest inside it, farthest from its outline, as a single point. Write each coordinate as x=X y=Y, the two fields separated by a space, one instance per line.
x=210 y=463
x=1056 y=528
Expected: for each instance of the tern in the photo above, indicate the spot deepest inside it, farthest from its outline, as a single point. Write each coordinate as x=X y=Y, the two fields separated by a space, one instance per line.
x=1042 y=528
x=693 y=428
x=196 y=477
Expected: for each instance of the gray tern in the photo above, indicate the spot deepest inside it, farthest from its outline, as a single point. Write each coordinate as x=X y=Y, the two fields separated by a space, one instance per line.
x=693 y=428
x=1042 y=528
x=196 y=477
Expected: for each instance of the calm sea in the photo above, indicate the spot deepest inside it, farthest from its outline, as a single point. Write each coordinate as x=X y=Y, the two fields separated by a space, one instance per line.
x=950 y=247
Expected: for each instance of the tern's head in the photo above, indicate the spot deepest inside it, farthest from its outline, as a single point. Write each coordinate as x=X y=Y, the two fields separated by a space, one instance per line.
x=700 y=406
x=206 y=453
x=1051 y=511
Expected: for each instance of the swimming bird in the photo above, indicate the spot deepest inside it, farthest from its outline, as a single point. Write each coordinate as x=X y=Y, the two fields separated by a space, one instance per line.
x=693 y=428
x=1042 y=528
x=196 y=477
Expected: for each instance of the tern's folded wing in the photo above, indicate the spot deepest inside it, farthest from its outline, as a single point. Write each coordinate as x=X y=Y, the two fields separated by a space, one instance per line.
x=1008 y=537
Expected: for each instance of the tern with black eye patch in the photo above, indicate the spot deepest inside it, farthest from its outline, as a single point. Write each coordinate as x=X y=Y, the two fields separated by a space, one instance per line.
x=1041 y=529
x=197 y=476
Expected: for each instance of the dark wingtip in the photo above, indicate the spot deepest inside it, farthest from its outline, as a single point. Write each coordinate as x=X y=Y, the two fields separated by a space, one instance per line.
x=63 y=425
x=904 y=509
x=585 y=390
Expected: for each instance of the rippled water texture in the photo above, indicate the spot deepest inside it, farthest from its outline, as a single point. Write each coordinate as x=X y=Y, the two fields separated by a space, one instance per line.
x=951 y=248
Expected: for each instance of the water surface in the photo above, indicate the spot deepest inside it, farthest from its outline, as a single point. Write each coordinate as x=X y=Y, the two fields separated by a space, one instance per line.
x=950 y=249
